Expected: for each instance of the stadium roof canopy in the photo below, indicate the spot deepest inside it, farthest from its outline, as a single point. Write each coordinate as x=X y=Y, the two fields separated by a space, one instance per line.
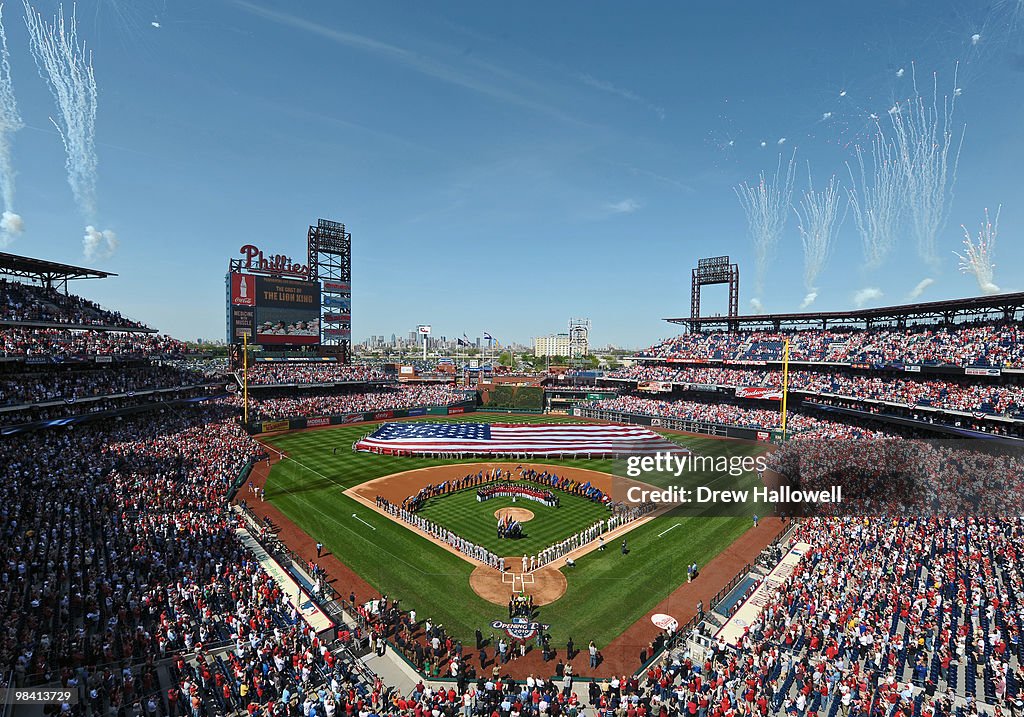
x=46 y=272
x=1006 y=307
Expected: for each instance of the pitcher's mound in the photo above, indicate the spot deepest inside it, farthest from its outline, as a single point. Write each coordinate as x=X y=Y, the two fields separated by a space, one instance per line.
x=520 y=514
x=545 y=584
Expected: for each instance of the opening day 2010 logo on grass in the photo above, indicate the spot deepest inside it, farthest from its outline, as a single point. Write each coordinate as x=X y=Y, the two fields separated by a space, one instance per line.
x=519 y=628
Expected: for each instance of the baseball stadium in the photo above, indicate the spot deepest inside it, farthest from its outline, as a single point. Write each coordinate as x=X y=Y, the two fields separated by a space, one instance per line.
x=815 y=513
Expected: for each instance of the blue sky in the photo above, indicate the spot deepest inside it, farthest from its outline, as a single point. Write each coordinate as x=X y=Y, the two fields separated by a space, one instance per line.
x=503 y=167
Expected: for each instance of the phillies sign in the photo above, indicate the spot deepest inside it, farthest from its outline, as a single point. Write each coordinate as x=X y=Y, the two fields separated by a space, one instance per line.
x=276 y=265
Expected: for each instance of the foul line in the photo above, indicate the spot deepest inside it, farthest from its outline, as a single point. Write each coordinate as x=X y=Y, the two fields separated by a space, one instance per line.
x=665 y=531
x=363 y=522
x=334 y=519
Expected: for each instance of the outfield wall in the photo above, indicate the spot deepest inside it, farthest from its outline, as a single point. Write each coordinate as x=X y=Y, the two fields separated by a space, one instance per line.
x=679 y=424
x=293 y=424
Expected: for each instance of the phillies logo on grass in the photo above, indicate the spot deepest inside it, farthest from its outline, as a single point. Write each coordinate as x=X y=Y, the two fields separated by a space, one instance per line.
x=519 y=628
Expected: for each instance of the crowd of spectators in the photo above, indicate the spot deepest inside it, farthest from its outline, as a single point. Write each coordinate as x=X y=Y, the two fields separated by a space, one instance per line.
x=268 y=374
x=913 y=476
x=725 y=414
x=17 y=341
x=119 y=551
x=103 y=528
x=104 y=406
x=26 y=302
x=386 y=399
x=887 y=616
x=959 y=395
x=964 y=345
x=34 y=386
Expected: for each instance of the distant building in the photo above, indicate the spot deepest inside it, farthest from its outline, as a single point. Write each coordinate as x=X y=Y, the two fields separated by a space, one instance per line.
x=551 y=345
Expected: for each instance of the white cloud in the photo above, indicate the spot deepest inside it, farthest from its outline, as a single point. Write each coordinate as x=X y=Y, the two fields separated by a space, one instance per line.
x=98 y=244
x=809 y=299
x=921 y=286
x=11 y=225
x=865 y=296
x=626 y=206
x=757 y=306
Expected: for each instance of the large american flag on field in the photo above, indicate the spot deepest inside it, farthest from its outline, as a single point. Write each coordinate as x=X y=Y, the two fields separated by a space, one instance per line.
x=515 y=438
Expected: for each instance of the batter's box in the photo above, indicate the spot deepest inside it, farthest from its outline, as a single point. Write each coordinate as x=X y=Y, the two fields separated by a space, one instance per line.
x=518 y=581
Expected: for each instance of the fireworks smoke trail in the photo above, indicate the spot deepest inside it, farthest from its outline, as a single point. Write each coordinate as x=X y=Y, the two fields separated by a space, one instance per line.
x=1015 y=10
x=878 y=204
x=919 y=288
x=10 y=122
x=867 y=295
x=66 y=65
x=817 y=216
x=98 y=244
x=767 y=206
x=923 y=140
x=977 y=259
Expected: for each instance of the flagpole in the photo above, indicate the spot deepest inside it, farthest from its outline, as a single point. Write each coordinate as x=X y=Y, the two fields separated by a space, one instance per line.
x=245 y=378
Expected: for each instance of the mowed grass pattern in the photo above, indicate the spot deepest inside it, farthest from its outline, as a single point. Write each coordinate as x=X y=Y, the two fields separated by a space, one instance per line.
x=461 y=513
x=606 y=592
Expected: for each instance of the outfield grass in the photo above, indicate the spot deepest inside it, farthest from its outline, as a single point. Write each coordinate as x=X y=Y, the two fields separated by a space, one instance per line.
x=461 y=513
x=606 y=592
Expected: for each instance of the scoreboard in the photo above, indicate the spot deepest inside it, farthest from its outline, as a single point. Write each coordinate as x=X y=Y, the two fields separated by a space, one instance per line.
x=273 y=310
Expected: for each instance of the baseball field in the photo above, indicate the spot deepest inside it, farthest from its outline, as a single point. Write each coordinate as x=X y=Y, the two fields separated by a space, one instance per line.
x=328 y=494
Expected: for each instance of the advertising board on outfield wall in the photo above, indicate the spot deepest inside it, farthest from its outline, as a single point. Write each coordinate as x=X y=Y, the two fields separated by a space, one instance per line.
x=274 y=426
x=760 y=392
x=654 y=386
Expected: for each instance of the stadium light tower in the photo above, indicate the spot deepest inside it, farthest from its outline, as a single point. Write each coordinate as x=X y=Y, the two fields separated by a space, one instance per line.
x=715 y=270
x=329 y=248
x=579 y=338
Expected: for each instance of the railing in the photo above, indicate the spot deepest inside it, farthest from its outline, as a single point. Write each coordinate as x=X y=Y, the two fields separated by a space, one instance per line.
x=277 y=549
x=733 y=582
x=243 y=475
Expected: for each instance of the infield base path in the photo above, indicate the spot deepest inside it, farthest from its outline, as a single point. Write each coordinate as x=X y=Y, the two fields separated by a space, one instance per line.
x=546 y=584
